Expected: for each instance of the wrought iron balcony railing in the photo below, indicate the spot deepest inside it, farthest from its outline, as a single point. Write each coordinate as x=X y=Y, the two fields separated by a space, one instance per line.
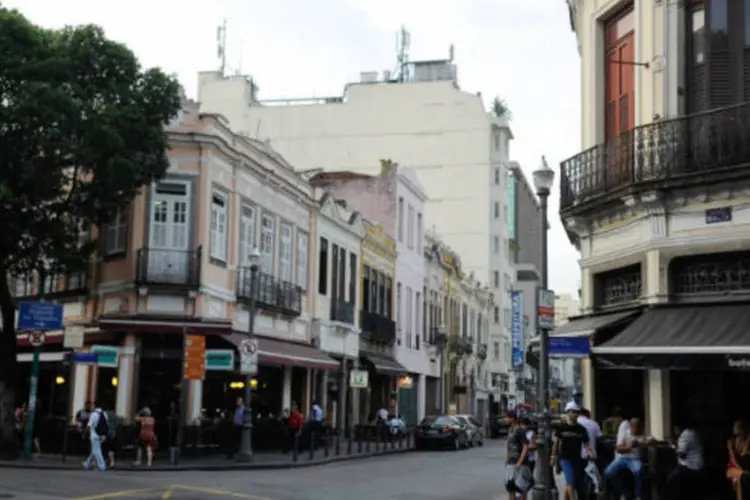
x=55 y=286
x=377 y=328
x=461 y=345
x=342 y=311
x=661 y=154
x=482 y=351
x=271 y=294
x=168 y=268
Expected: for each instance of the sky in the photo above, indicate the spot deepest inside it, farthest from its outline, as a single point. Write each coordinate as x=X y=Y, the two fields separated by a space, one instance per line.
x=521 y=50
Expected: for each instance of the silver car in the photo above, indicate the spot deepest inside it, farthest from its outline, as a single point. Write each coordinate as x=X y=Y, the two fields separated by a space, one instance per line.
x=474 y=430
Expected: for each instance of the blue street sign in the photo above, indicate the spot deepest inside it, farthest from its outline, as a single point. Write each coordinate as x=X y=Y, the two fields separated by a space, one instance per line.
x=85 y=358
x=516 y=330
x=569 y=347
x=40 y=316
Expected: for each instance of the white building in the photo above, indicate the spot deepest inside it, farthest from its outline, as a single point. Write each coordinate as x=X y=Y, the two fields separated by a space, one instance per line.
x=427 y=123
x=337 y=297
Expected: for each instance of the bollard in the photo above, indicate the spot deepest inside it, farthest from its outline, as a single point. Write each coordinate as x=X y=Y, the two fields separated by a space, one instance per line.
x=295 y=447
x=349 y=443
x=359 y=442
x=408 y=438
x=326 y=438
x=65 y=443
x=401 y=439
x=174 y=455
x=378 y=439
x=367 y=443
x=338 y=443
x=312 y=445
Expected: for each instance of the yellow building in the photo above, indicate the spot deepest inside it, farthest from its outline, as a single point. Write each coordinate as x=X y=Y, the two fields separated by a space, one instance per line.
x=377 y=320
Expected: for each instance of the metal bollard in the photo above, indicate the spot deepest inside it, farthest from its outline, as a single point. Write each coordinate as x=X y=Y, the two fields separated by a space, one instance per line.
x=359 y=442
x=295 y=447
x=65 y=442
x=401 y=439
x=408 y=438
x=326 y=444
x=312 y=445
x=338 y=443
x=378 y=440
x=349 y=443
x=367 y=443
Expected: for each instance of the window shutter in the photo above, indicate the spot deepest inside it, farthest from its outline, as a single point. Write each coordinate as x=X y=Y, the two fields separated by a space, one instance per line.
x=720 y=80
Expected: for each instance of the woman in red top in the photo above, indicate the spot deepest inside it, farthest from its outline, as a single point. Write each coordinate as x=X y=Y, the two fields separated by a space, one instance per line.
x=739 y=460
x=147 y=438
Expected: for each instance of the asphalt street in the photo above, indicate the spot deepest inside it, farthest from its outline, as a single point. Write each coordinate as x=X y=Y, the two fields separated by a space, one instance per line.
x=439 y=475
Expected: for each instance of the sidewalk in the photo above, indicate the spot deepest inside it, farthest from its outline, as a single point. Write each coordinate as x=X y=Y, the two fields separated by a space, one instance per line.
x=263 y=460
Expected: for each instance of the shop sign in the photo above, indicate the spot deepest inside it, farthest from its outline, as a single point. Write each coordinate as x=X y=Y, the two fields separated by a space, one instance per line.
x=220 y=360
x=737 y=363
x=106 y=356
x=359 y=379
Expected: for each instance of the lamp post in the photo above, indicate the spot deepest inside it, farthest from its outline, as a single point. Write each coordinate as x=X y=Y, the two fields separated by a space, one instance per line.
x=246 y=445
x=544 y=178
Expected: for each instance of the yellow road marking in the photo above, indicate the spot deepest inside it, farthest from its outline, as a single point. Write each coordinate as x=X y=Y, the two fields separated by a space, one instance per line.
x=167 y=494
x=217 y=492
x=119 y=494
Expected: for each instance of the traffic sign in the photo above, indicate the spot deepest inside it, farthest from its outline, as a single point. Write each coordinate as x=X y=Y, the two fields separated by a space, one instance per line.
x=85 y=358
x=546 y=313
x=358 y=379
x=249 y=357
x=195 y=357
x=40 y=316
x=37 y=339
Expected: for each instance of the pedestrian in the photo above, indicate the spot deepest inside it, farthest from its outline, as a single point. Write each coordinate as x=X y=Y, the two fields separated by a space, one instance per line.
x=97 y=430
x=238 y=422
x=738 y=469
x=593 y=477
x=111 y=445
x=519 y=479
x=570 y=438
x=531 y=438
x=295 y=424
x=627 y=457
x=684 y=482
x=82 y=418
x=315 y=423
x=147 y=437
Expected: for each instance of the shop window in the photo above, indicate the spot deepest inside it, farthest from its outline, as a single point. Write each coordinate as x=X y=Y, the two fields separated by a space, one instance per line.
x=619 y=287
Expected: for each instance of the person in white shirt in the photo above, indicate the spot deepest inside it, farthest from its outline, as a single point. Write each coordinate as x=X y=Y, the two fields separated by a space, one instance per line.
x=684 y=481
x=593 y=430
x=627 y=457
x=97 y=429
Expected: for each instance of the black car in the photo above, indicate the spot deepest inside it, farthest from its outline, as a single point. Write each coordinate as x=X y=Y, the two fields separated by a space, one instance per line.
x=441 y=431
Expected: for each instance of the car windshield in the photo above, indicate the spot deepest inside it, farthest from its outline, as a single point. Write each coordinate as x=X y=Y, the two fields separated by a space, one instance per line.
x=462 y=420
x=442 y=420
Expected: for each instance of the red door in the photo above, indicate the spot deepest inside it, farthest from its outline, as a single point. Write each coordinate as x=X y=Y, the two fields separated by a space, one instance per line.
x=620 y=96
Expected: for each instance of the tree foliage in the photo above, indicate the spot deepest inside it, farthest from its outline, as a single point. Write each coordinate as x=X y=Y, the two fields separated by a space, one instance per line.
x=81 y=131
x=500 y=109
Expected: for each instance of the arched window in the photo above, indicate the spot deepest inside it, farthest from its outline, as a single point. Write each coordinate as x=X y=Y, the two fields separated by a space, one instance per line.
x=718 y=55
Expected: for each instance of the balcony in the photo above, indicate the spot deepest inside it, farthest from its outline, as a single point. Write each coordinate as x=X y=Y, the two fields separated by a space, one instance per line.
x=164 y=268
x=342 y=311
x=462 y=346
x=712 y=146
x=377 y=328
x=56 y=287
x=482 y=351
x=271 y=294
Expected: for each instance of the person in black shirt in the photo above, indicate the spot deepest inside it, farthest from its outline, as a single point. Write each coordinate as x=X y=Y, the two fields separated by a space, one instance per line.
x=520 y=480
x=571 y=439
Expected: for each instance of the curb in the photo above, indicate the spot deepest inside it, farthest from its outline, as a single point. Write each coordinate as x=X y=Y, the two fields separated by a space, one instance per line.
x=216 y=468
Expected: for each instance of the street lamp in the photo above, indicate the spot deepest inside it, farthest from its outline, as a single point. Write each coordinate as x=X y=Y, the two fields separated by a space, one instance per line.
x=246 y=446
x=544 y=178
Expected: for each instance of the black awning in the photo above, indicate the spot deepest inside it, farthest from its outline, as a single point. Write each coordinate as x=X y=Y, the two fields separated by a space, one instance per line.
x=698 y=336
x=586 y=326
x=384 y=364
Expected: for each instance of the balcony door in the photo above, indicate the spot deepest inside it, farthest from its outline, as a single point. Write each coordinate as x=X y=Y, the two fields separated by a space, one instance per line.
x=168 y=256
x=620 y=97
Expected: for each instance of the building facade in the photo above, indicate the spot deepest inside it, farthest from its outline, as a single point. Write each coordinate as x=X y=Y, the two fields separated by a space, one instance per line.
x=426 y=122
x=657 y=204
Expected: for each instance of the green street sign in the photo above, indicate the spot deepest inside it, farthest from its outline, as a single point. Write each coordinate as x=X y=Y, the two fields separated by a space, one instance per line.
x=220 y=360
x=358 y=379
x=106 y=357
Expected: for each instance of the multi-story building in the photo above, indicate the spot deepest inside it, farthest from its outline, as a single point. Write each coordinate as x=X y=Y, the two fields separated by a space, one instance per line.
x=656 y=202
x=396 y=200
x=177 y=262
x=339 y=232
x=456 y=319
x=424 y=121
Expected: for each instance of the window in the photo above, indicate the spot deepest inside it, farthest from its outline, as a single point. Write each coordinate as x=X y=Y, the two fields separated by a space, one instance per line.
x=352 y=278
x=335 y=271
x=496 y=279
x=302 y=258
x=497 y=176
x=507 y=317
x=399 y=309
x=400 y=219
x=267 y=243
x=497 y=315
x=496 y=244
x=366 y=290
x=247 y=234
x=323 y=267
x=218 y=240
x=285 y=252
x=420 y=234
x=409 y=299
x=496 y=351
x=699 y=35
x=417 y=317
x=496 y=141
x=410 y=229
x=496 y=210
x=117 y=234
x=388 y=298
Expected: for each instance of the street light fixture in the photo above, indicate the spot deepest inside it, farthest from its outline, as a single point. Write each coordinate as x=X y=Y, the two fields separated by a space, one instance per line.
x=246 y=445
x=544 y=178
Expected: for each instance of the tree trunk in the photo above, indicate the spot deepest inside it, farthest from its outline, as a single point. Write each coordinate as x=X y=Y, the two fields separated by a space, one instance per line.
x=9 y=445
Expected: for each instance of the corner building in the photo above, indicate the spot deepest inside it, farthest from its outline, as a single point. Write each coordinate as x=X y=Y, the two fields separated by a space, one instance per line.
x=657 y=203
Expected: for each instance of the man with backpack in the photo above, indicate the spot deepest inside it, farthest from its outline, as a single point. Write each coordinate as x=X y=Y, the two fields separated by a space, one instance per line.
x=98 y=430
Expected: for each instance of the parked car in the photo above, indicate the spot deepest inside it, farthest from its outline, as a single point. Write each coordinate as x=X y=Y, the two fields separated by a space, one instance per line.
x=441 y=431
x=474 y=429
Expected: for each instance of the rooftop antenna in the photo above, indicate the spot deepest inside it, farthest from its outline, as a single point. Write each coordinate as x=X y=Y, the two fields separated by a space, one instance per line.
x=403 y=42
x=451 y=53
x=221 y=46
x=238 y=71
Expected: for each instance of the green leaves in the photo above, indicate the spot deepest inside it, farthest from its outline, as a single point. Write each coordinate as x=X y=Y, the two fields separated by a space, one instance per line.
x=500 y=108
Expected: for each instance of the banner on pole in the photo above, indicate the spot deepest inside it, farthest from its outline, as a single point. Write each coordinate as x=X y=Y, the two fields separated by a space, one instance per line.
x=516 y=330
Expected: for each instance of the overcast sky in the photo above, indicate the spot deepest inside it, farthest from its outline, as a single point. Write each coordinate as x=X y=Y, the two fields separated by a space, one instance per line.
x=522 y=50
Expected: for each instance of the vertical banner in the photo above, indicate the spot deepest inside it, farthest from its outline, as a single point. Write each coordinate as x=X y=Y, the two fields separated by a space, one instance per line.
x=516 y=330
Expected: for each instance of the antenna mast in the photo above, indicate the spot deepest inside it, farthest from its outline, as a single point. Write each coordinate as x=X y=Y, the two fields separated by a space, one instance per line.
x=403 y=42
x=221 y=46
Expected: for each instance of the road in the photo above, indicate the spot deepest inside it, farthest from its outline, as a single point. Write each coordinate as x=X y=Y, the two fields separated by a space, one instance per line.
x=440 y=475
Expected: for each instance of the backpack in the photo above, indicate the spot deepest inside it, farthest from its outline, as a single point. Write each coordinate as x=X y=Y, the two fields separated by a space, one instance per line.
x=102 y=425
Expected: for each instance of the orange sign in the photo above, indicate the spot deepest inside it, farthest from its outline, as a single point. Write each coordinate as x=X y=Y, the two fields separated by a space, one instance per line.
x=195 y=357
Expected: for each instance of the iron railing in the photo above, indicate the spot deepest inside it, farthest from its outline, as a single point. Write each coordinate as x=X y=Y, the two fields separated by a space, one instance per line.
x=461 y=345
x=663 y=151
x=55 y=286
x=482 y=351
x=342 y=311
x=377 y=327
x=271 y=294
x=169 y=268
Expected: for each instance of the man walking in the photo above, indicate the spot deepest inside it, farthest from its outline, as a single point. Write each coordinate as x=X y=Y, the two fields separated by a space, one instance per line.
x=97 y=429
x=519 y=479
x=570 y=438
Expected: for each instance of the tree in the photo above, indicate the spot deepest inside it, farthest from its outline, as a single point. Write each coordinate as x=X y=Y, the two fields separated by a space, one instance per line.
x=500 y=108
x=81 y=131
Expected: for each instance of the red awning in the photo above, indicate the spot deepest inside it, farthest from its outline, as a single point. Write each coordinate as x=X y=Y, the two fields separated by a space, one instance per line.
x=279 y=352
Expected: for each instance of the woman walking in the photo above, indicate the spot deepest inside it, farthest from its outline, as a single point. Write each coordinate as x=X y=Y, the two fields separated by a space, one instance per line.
x=147 y=439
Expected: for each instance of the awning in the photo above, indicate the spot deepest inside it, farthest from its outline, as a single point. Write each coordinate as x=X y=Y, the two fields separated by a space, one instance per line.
x=384 y=364
x=153 y=323
x=697 y=336
x=588 y=325
x=279 y=352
